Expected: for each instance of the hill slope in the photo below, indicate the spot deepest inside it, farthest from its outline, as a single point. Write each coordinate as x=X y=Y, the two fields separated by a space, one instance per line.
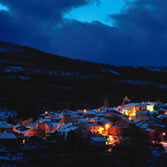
x=31 y=78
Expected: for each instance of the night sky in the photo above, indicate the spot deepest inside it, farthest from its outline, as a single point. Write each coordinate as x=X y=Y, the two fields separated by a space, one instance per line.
x=116 y=32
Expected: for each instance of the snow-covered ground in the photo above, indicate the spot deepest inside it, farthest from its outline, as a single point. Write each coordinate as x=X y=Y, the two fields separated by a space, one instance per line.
x=153 y=69
x=14 y=69
x=8 y=49
x=138 y=82
x=20 y=77
x=157 y=69
x=109 y=70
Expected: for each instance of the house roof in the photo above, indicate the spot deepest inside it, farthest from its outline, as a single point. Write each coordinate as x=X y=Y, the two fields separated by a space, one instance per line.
x=16 y=126
x=131 y=104
x=149 y=129
x=4 y=125
x=126 y=108
x=79 y=111
x=142 y=125
x=66 y=125
x=31 y=124
x=161 y=116
x=54 y=124
x=128 y=121
x=83 y=120
x=29 y=136
x=105 y=120
x=120 y=126
x=144 y=112
x=45 y=120
x=8 y=136
x=91 y=124
x=53 y=131
x=145 y=125
x=162 y=109
x=139 y=104
x=25 y=131
x=98 y=139
x=56 y=117
x=90 y=112
x=68 y=129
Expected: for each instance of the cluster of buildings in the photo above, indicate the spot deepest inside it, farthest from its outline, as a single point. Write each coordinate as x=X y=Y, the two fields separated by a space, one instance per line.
x=102 y=126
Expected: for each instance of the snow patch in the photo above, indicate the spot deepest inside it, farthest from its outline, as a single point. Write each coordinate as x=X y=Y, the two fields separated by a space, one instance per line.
x=142 y=82
x=109 y=70
x=24 y=78
x=138 y=82
x=156 y=69
x=72 y=74
x=152 y=68
x=14 y=69
x=5 y=113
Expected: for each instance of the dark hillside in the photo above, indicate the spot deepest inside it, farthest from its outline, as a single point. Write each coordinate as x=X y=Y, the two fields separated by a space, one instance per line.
x=31 y=80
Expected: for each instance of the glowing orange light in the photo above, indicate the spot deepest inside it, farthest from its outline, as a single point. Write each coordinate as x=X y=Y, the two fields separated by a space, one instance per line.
x=130 y=118
x=85 y=110
x=165 y=112
x=164 y=134
x=101 y=130
x=107 y=126
x=110 y=149
x=111 y=140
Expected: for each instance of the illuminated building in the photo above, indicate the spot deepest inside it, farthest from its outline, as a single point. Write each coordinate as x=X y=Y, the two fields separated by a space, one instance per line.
x=150 y=107
x=101 y=130
x=107 y=126
x=111 y=140
x=119 y=130
x=128 y=111
x=92 y=127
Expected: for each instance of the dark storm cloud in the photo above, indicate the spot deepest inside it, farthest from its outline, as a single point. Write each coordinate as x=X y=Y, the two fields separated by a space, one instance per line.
x=144 y=23
x=30 y=22
x=138 y=37
x=43 y=9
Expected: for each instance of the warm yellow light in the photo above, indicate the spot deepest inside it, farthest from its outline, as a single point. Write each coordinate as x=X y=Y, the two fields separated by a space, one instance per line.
x=164 y=134
x=85 y=110
x=107 y=126
x=111 y=140
x=133 y=113
x=24 y=141
x=101 y=130
x=150 y=108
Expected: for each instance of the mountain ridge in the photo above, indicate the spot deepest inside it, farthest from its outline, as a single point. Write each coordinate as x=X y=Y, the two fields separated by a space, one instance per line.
x=35 y=78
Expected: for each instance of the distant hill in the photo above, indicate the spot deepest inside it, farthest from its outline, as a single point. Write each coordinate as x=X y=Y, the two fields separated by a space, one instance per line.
x=32 y=79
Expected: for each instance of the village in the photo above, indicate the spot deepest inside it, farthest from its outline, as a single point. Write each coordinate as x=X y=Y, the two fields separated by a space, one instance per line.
x=102 y=127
